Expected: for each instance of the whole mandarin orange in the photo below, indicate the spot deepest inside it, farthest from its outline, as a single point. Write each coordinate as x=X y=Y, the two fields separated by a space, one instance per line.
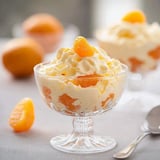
x=20 y=55
x=46 y=29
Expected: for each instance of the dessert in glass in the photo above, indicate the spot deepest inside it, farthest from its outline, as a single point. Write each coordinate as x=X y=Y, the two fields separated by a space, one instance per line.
x=81 y=81
x=133 y=41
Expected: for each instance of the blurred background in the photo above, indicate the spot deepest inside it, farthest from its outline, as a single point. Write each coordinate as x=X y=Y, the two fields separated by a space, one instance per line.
x=87 y=15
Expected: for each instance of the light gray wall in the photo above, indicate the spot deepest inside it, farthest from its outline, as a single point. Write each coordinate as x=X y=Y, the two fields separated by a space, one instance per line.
x=152 y=10
x=68 y=11
x=78 y=12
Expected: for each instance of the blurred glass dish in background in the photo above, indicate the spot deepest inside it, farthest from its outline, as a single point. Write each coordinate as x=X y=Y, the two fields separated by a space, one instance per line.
x=135 y=43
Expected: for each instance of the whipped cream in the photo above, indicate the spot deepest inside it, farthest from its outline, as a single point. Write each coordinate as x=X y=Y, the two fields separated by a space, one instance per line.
x=126 y=40
x=131 y=34
x=68 y=82
x=68 y=63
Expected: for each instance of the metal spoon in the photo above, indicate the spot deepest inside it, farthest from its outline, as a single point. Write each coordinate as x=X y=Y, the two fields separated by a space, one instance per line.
x=151 y=126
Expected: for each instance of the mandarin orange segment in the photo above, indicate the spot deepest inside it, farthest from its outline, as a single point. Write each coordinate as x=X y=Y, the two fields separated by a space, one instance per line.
x=126 y=34
x=155 y=53
x=22 y=116
x=107 y=100
x=82 y=47
x=135 y=16
x=87 y=80
x=47 y=93
x=135 y=63
x=68 y=101
x=20 y=55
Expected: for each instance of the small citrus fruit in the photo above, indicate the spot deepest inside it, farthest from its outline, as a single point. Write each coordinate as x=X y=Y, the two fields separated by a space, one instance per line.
x=42 y=23
x=46 y=29
x=87 y=80
x=82 y=47
x=22 y=116
x=135 y=16
x=20 y=55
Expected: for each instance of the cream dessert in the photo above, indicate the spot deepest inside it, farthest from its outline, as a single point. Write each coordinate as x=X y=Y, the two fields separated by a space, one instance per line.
x=133 y=41
x=81 y=80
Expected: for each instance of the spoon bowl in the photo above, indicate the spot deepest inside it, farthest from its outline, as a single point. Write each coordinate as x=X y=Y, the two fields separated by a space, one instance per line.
x=150 y=126
x=153 y=119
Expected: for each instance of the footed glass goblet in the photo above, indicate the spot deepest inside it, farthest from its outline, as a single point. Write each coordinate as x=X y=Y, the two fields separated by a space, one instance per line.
x=81 y=98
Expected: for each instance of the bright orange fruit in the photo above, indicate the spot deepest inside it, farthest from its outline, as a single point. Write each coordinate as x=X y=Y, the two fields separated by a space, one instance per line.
x=87 y=80
x=68 y=102
x=20 y=55
x=22 y=116
x=135 y=63
x=42 y=23
x=82 y=47
x=135 y=16
x=155 y=53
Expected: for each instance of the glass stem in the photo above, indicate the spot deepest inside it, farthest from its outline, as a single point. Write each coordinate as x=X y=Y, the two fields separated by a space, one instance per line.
x=83 y=126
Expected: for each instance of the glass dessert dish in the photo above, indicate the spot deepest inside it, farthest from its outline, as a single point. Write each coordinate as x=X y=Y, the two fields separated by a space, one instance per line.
x=67 y=90
x=82 y=103
x=135 y=43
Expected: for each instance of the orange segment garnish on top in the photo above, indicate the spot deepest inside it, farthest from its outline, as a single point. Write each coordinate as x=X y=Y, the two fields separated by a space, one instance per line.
x=22 y=116
x=87 y=80
x=82 y=47
x=134 y=17
x=68 y=101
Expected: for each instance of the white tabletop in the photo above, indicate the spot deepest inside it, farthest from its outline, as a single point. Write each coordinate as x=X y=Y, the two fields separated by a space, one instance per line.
x=123 y=123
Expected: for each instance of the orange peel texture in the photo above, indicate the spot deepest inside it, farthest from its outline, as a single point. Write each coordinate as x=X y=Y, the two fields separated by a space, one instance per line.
x=20 y=55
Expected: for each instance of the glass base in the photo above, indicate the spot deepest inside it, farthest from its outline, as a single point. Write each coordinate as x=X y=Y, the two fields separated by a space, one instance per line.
x=82 y=144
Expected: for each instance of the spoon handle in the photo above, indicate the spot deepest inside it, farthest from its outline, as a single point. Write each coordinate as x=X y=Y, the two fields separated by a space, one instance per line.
x=126 y=152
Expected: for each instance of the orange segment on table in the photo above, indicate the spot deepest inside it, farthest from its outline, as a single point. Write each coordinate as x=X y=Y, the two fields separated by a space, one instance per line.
x=22 y=117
